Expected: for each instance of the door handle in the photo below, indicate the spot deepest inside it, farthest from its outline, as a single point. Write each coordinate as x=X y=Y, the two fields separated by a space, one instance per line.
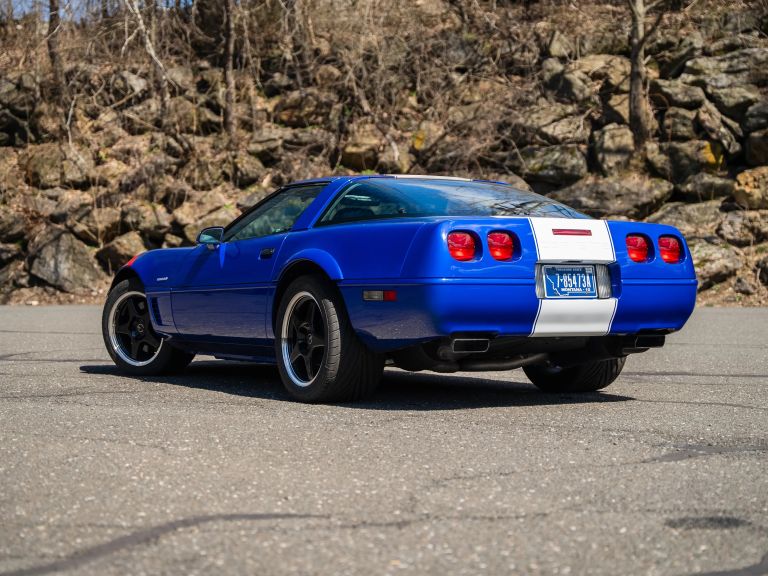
x=266 y=253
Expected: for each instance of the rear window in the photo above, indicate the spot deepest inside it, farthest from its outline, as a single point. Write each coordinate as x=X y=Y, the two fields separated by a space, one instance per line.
x=376 y=199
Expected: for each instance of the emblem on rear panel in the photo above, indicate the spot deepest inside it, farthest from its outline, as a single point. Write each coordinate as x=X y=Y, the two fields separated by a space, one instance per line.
x=163 y=279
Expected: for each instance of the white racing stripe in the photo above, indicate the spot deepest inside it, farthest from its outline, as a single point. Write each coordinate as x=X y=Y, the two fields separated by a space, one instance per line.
x=596 y=248
x=573 y=317
x=565 y=317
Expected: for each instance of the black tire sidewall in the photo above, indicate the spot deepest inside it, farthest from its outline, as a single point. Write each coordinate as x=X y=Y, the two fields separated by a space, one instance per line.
x=320 y=388
x=169 y=357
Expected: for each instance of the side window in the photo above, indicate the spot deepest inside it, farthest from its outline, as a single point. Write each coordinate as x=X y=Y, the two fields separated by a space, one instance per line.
x=366 y=202
x=276 y=215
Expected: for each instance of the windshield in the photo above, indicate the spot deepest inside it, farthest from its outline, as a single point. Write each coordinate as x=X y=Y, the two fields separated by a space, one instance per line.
x=392 y=198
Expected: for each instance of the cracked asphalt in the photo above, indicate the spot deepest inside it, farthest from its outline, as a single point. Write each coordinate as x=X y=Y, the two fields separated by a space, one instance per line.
x=217 y=472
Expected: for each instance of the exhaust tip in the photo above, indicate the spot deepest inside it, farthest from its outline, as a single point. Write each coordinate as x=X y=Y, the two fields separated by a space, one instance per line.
x=470 y=345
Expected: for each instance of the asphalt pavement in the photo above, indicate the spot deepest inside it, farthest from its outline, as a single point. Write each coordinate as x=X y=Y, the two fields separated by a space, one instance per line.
x=216 y=472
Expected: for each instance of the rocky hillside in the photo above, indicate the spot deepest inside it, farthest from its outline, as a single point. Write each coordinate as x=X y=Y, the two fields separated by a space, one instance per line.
x=534 y=94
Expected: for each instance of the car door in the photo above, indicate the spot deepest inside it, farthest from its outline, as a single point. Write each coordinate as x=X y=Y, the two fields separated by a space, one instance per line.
x=222 y=290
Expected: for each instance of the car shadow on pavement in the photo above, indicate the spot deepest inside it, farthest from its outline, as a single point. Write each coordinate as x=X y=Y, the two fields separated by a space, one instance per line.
x=398 y=390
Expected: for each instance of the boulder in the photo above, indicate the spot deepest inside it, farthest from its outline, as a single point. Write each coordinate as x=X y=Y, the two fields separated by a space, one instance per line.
x=748 y=66
x=751 y=189
x=50 y=165
x=734 y=101
x=361 y=152
x=248 y=169
x=395 y=158
x=126 y=85
x=744 y=286
x=548 y=123
x=756 y=117
x=762 y=270
x=181 y=79
x=151 y=220
x=616 y=109
x=679 y=124
x=714 y=261
x=9 y=252
x=677 y=52
x=266 y=143
x=188 y=118
x=633 y=195
x=677 y=161
x=704 y=186
x=718 y=128
x=197 y=206
x=568 y=130
x=120 y=250
x=757 y=148
x=327 y=76
x=427 y=135
x=693 y=220
x=64 y=262
x=13 y=275
x=142 y=118
x=572 y=86
x=673 y=93
x=609 y=70
x=220 y=217
x=558 y=165
x=613 y=146
x=743 y=228
x=305 y=107
x=97 y=226
x=69 y=203
x=12 y=224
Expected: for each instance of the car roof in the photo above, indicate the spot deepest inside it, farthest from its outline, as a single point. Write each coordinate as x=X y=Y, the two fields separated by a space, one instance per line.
x=356 y=177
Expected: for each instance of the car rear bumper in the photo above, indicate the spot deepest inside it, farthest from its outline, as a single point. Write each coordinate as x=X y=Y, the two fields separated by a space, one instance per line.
x=425 y=310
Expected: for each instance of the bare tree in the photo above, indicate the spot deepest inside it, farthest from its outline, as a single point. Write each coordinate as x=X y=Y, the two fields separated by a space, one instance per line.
x=54 y=27
x=229 y=74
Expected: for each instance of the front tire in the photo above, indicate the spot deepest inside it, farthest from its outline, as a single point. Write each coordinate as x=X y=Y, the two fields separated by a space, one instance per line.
x=131 y=341
x=319 y=357
x=587 y=377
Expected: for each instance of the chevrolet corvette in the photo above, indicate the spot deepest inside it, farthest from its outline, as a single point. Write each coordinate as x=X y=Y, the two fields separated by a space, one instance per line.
x=332 y=279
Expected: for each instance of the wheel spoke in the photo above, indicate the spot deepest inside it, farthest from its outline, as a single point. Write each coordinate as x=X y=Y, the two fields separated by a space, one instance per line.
x=311 y=314
x=134 y=307
x=135 y=347
x=318 y=341
x=308 y=365
x=151 y=339
x=295 y=353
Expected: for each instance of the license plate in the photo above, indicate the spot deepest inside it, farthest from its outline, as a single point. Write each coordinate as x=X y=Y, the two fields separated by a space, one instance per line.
x=569 y=282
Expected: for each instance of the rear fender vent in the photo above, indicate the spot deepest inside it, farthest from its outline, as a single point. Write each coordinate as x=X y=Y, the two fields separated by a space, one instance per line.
x=155 y=308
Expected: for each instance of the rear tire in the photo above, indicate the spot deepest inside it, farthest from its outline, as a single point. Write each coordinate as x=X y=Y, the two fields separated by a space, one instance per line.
x=587 y=377
x=319 y=356
x=131 y=341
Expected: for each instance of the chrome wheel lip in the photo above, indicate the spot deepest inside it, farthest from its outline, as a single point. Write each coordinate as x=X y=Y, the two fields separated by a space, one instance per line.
x=285 y=345
x=114 y=341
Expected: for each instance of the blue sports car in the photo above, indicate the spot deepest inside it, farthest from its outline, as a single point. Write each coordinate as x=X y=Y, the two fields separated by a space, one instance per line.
x=332 y=278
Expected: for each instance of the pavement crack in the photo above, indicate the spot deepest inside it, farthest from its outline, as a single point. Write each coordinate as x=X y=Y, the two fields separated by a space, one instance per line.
x=758 y=569
x=143 y=536
x=688 y=451
x=691 y=403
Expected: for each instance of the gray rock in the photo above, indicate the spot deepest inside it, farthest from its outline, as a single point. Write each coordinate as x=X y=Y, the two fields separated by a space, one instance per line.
x=715 y=262
x=734 y=101
x=8 y=252
x=673 y=60
x=756 y=117
x=126 y=84
x=568 y=130
x=757 y=148
x=679 y=124
x=120 y=250
x=305 y=107
x=18 y=94
x=634 y=195
x=142 y=118
x=97 y=226
x=677 y=161
x=718 y=128
x=248 y=170
x=151 y=220
x=188 y=118
x=220 y=217
x=616 y=109
x=558 y=165
x=613 y=147
x=748 y=66
x=704 y=186
x=51 y=165
x=762 y=270
x=13 y=275
x=550 y=70
x=13 y=225
x=742 y=228
x=744 y=286
x=694 y=220
x=669 y=93
x=573 y=86
x=361 y=152
x=64 y=262
x=197 y=206
x=181 y=79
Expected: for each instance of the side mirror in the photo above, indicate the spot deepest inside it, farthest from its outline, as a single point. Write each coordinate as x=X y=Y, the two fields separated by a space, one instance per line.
x=211 y=237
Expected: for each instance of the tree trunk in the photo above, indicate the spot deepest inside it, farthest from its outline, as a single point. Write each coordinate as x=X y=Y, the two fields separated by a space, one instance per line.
x=229 y=75
x=54 y=27
x=639 y=112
